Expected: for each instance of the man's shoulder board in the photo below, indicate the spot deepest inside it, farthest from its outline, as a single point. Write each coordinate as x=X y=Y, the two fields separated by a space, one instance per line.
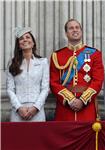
x=92 y=48
x=59 y=50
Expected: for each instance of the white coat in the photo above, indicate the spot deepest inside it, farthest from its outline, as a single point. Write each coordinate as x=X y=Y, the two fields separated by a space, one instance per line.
x=29 y=87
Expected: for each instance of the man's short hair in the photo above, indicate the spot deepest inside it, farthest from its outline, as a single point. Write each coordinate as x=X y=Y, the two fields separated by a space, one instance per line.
x=70 y=20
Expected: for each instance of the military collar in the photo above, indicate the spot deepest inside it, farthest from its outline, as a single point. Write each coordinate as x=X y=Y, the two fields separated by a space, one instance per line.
x=75 y=47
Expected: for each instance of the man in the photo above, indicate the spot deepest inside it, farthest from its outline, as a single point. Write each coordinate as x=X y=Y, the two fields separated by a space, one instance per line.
x=76 y=76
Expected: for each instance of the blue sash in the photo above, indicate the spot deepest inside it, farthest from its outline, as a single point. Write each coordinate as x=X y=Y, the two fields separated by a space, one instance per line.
x=80 y=59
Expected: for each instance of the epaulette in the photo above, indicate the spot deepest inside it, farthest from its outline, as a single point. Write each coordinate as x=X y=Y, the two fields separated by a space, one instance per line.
x=92 y=48
x=60 y=49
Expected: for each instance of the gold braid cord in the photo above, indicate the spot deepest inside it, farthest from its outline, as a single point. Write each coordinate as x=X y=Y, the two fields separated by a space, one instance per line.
x=55 y=60
x=69 y=70
x=67 y=95
x=69 y=63
x=86 y=96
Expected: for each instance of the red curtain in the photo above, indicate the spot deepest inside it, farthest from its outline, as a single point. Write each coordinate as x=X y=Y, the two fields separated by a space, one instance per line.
x=50 y=136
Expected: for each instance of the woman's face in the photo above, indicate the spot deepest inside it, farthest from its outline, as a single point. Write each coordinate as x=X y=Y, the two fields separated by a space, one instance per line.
x=26 y=42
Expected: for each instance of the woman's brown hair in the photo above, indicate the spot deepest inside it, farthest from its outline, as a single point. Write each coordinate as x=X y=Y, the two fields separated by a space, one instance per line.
x=14 y=68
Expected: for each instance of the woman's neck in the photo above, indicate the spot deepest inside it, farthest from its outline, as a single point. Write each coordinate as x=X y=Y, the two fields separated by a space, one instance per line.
x=27 y=54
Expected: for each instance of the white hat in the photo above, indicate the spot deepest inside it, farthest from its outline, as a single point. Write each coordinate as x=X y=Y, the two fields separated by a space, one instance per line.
x=19 y=31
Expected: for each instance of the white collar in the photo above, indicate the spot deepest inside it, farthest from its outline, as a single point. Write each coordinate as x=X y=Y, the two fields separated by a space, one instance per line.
x=34 y=60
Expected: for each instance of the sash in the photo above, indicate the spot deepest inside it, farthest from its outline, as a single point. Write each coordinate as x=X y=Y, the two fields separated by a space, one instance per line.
x=80 y=59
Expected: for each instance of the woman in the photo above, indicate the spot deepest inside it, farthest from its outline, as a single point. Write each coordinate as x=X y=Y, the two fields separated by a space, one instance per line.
x=27 y=79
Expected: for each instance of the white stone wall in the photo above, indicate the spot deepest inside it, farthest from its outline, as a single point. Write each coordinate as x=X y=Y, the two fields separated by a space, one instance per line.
x=47 y=19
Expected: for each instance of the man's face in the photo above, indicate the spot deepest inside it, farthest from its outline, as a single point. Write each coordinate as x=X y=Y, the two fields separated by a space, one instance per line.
x=74 y=32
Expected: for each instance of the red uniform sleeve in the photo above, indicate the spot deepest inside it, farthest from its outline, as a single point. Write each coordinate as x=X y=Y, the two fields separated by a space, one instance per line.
x=57 y=89
x=97 y=72
x=97 y=78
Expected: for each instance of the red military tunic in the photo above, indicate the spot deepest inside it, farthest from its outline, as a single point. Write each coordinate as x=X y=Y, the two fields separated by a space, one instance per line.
x=84 y=90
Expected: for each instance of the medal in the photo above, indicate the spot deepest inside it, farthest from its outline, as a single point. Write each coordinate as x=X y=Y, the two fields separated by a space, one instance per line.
x=87 y=57
x=86 y=68
x=85 y=60
x=87 y=78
